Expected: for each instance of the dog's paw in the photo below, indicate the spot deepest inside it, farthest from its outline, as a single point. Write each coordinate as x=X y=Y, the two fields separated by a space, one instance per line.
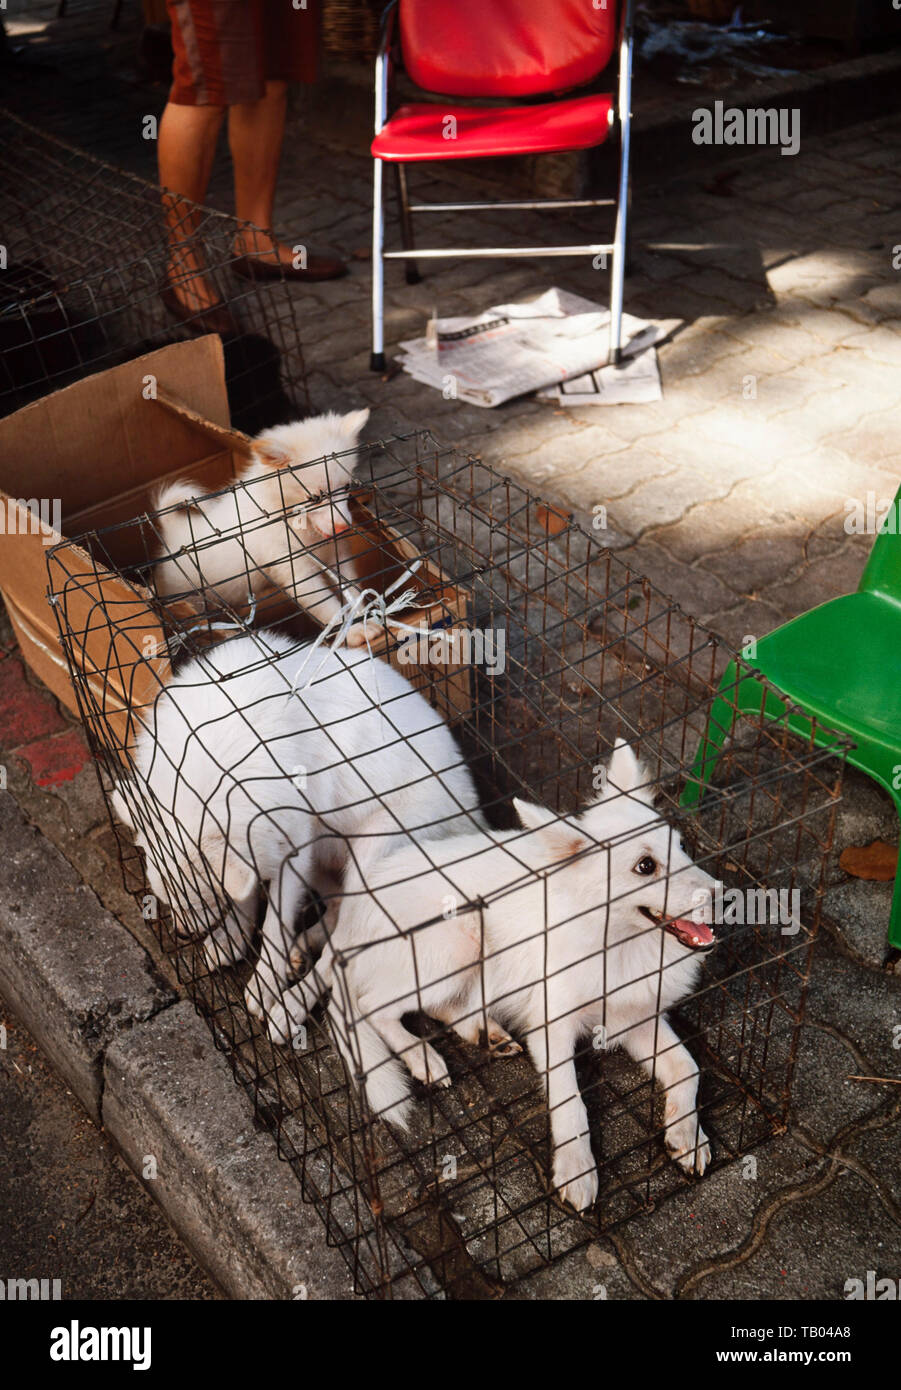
x=576 y=1175
x=260 y=996
x=278 y=1026
x=224 y=947
x=499 y=1042
x=298 y=959
x=361 y=633
x=427 y=1065
x=689 y=1146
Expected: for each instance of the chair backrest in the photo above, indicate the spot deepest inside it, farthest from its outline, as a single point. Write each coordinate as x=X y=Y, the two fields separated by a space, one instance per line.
x=882 y=574
x=505 y=48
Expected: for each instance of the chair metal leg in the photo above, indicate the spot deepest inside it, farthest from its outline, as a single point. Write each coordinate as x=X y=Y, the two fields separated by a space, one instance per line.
x=377 y=360
x=618 y=265
x=406 y=224
x=719 y=725
x=894 y=925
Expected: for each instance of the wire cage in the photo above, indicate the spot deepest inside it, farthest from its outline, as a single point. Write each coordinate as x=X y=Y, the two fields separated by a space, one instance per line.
x=550 y=674
x=92 y=251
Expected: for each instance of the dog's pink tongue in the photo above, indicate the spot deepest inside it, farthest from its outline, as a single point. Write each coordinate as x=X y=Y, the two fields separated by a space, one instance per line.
x=693 y=934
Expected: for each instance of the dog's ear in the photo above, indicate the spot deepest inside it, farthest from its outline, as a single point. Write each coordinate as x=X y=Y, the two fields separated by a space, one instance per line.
x=271 y=453
x=560 y=837
x=626 y=774
x=353 y=423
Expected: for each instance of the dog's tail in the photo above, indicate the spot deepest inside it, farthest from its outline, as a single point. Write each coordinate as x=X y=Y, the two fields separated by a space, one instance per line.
x=364 y=1052
x=177 y=494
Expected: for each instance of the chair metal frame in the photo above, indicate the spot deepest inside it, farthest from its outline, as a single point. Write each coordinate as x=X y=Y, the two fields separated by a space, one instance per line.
x=616 y=250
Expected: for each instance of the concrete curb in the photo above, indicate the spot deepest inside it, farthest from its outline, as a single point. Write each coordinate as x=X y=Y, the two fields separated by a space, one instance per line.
x=146 y=1069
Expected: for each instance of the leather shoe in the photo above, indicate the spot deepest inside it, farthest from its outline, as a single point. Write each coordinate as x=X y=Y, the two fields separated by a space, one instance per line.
x=318 y=267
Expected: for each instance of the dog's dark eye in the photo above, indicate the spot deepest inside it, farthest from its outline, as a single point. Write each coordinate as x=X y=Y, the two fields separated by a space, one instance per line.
x=646 y=865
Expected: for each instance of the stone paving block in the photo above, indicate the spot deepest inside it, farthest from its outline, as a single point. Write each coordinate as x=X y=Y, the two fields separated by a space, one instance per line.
x=752 y=616
x=593 y=1272
x=719 y=526
x=876 y=1147
x=824 y=1099
x=724 y=461
x=68 y=969
x=836 y=475
x=615 y=474
x=861 y=910
x=879 y=344
x=850 y=365
x=725 y=383
x=695 y=355
x=663 y=500
x=829 y=415
x=762 y=558
x=886 y=298
x=794 y=344
x=822 y=579
x=831 y=326
x=811 y=1249
x=777 y=386
x=877 y=436
x=712 y=1219
x=696 y=591
x=581 y=452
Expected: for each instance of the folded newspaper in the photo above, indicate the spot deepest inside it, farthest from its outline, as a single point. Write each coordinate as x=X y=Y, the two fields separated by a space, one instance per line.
x=557 y=342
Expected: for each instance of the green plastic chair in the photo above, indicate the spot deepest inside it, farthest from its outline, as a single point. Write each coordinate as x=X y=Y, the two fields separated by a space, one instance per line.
x=841 y=663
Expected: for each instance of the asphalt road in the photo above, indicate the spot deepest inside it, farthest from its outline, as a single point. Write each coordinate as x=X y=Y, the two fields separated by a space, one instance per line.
x=69 y=1207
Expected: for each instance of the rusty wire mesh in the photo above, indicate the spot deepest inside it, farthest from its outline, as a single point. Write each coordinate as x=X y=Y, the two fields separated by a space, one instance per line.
x=87 y=256
x=460 y=1203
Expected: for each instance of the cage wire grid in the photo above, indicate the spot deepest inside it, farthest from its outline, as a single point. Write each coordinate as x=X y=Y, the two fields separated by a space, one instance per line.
x=88 y=254
x=460 y=1203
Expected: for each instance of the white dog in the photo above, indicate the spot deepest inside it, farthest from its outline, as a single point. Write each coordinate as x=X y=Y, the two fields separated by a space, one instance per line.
x=580 y=925
x=240 y=782
x=284 y=523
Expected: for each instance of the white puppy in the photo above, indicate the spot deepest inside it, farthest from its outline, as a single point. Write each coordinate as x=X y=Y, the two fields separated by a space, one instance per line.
x=580 y=924
x=240 y=782
x=284 y=523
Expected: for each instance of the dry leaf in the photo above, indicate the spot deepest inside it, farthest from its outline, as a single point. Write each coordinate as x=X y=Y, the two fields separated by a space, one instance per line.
x=552 y=520
x=877 y=861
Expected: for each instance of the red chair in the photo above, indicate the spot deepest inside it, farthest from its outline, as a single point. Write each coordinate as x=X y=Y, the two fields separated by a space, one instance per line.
x=500 y=49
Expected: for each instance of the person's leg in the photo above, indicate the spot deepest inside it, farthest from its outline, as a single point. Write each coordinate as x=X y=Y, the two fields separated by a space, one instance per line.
x=255 y=133
x=186 y=149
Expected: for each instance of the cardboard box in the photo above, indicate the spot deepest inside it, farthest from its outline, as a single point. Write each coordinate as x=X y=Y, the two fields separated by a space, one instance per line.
x=89 y=458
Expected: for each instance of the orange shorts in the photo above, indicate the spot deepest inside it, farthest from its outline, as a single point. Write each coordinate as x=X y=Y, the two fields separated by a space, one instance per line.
x=226 y=50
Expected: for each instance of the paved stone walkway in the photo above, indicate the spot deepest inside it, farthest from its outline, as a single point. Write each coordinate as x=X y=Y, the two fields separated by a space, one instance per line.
x=780 y=409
